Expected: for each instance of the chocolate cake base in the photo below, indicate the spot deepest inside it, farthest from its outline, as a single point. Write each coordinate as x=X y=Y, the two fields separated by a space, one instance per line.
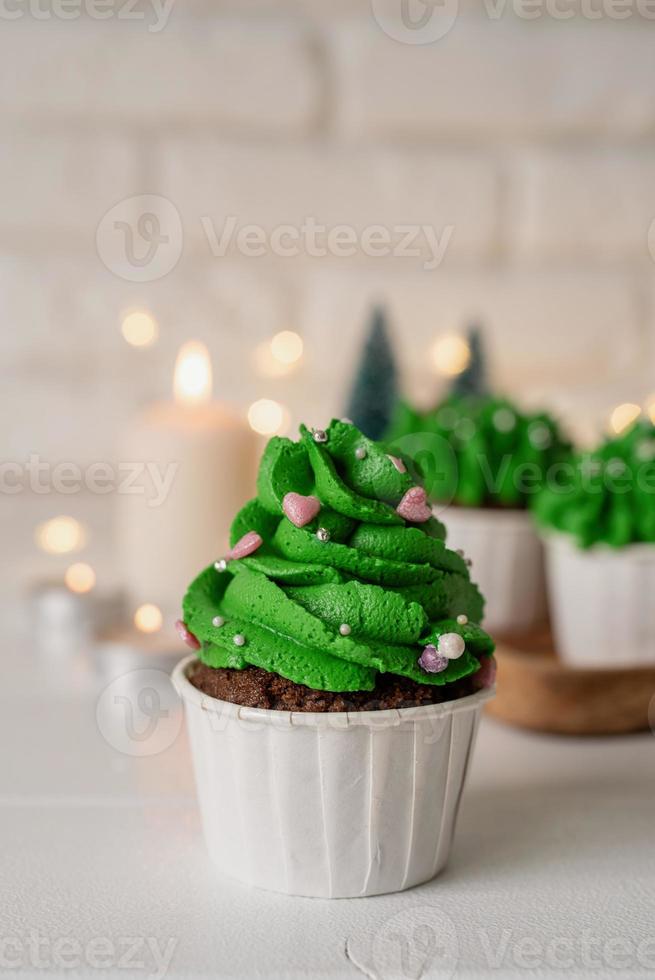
x=257 y=688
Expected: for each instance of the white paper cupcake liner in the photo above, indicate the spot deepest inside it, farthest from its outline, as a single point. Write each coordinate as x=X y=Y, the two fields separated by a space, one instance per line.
x=508 y=564
x=602 y=603
x=329 y=805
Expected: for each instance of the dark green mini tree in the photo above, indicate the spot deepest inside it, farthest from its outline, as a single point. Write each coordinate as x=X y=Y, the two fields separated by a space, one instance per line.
x=374 y=391
x=473 y=380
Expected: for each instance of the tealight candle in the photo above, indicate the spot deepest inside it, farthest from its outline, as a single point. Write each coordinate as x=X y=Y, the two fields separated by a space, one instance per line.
x=196 y=463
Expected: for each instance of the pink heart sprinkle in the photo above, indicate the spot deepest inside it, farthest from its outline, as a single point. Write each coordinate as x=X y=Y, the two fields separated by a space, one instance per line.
x=486 y=675
x=246 y=545
x=186 y=635
x=398 y=463
x=414 y=507
x=300 y=510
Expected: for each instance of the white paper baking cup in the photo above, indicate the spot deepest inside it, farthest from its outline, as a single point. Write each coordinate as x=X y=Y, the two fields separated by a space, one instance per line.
x=602 y=603
x=508 y=564
x=329 y=805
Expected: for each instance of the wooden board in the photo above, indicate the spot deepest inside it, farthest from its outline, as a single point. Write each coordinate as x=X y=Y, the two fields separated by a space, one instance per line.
x=536 y=691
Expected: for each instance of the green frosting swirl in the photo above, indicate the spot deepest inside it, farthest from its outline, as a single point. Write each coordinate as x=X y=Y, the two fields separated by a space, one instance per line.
x=606 y=496
x=479 y=451
x=394 y=583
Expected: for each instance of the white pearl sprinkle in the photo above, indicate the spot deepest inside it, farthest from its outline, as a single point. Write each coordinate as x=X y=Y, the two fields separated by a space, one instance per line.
x=361 y=452
x=323 y=534
x=239 y=640
x=451 y=645
x=217 y=621
x=319 y=435
x=344 y=629
x=220 y=565
x=462 y=620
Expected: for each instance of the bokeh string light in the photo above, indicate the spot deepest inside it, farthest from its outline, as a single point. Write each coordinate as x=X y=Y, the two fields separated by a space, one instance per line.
x=80 y=577
x=279 y=356
x=60 y=535
x=451 y=355
x=148 y=618
x=268 y=417
x=650 y=407
x=139 y=328
x=623 y=416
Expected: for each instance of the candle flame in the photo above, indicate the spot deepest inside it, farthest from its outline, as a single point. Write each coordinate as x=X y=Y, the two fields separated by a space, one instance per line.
x=192 y=382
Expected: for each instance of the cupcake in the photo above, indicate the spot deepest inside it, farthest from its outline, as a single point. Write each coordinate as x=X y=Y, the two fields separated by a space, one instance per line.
x=599 y=527
x=337 y=677
x=485 y=461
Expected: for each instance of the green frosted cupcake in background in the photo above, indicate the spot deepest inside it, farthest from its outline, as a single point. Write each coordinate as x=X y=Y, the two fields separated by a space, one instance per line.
x=599 y=527
x=610 y=495
x=489 y=453
x=485 y=461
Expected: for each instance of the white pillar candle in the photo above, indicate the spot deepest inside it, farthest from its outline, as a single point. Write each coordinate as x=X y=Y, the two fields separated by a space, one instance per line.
x=197 y=462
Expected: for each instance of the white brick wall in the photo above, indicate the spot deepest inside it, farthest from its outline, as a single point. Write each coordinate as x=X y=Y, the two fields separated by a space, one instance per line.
x=489 y=78
x=222 y=72
x=584 y=203
x=541 y=325
x=271 y=186
x=534 y=140
x=56 y=187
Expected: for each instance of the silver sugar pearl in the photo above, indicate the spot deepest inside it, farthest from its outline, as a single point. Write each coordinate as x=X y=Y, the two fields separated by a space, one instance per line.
x=462 y=620
x=217 y=621
x=239 y=640
x=319 y=435
x=361 y=452
x=344 y=629
x=323 y=534
x=220 y=565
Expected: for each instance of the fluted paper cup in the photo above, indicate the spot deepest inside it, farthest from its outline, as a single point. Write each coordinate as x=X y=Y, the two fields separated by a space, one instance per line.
x=507 y=564
x=602 y=603
x=329 y=805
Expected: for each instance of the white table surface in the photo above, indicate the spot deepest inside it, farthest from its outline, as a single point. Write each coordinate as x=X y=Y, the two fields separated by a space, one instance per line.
x=103 y=870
